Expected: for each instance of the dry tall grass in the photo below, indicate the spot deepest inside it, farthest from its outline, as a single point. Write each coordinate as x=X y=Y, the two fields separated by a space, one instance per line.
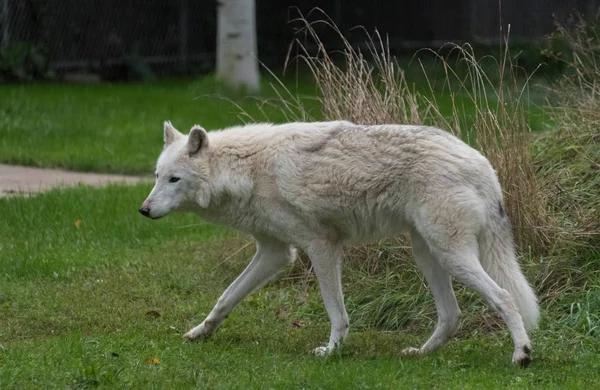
x=575 y=167
x=569 y=157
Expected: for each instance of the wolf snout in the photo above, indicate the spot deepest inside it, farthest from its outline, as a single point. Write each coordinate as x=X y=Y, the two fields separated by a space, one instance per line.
x=145 y=209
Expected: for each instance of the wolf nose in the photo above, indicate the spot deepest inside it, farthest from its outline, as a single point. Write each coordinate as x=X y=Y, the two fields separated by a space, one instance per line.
x=145 y=211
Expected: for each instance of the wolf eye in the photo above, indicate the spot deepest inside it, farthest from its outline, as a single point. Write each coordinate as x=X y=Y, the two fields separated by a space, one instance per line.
x=174 y=180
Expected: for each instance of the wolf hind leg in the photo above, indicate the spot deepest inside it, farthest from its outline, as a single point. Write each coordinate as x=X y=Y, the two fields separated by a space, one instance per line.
x=440 y=285
x=459 y=256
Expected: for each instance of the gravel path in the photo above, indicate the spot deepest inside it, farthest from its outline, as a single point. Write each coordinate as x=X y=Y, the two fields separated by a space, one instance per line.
x=19 y=180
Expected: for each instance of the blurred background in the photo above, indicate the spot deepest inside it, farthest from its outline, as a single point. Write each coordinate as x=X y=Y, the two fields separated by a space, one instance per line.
x=137 y=39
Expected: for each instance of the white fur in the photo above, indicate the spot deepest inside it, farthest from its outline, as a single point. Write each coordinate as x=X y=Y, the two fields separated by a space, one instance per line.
x=319 y=186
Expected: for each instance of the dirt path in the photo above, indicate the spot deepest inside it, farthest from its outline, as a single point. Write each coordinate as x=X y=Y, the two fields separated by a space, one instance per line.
x=19 y=180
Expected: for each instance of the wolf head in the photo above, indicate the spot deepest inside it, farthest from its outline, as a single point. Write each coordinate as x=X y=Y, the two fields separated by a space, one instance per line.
x=182 y=173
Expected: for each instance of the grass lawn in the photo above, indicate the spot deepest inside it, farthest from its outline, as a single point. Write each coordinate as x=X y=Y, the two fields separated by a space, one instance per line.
x=80 y=272
x=113 y=127
x=118 y=127
x=94 y=295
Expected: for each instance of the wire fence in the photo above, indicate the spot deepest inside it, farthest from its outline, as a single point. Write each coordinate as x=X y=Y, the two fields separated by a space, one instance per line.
x=94 y=33
x=174 y=35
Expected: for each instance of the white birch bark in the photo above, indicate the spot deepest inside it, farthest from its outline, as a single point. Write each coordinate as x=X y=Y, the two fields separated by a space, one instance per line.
x=237 y=54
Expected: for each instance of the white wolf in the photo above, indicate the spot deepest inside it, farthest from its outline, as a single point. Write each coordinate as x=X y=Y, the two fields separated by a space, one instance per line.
x=318 y=186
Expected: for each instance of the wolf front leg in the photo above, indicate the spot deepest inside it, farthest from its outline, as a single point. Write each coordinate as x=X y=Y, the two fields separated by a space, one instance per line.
x=326 y=259
x=271 y=255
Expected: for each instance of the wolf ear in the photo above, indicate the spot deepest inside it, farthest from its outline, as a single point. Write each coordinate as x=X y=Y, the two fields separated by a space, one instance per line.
x=171 y=134
x=197 y=140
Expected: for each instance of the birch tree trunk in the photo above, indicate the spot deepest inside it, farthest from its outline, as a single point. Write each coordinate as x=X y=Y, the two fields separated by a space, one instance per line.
x=237 y=54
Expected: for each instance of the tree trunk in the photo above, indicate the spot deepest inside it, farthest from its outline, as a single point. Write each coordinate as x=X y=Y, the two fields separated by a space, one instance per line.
x=237 y=58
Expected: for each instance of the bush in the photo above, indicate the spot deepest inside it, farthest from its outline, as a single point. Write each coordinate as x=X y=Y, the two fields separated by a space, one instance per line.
x=21 y=61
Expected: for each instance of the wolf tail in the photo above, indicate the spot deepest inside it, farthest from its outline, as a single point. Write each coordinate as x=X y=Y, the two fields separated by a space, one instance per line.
x=498 y=258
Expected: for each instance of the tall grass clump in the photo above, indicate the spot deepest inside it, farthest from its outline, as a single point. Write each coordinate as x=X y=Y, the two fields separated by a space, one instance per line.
x=572 y=151
x=569 y=156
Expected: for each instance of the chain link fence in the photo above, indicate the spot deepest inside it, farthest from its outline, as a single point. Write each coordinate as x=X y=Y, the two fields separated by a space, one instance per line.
x=169 y=36
x=111 y=35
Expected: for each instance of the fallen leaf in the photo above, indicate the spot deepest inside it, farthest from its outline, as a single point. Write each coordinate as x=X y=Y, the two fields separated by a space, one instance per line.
x=78 y=223
x=297 y=324
x=153 y=361
x=152 y=314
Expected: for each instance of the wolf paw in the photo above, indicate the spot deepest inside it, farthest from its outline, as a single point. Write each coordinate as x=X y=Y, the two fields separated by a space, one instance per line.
x=199 y=332
x=322 y=351
x=411 y=351
x=522 y=356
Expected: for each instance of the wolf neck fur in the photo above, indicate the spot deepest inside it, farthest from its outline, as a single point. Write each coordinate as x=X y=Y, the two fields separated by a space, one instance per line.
x=230 y=189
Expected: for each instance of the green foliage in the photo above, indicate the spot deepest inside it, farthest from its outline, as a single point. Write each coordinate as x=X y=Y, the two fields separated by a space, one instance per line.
x=572 y=47
x=584 y=313
x=138 y=67
x=22 y=61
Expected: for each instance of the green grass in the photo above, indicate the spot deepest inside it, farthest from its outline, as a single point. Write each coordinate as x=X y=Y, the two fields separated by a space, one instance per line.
x=57 y=231
x=74 y=303
x=118 y=127
x=113 y=127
